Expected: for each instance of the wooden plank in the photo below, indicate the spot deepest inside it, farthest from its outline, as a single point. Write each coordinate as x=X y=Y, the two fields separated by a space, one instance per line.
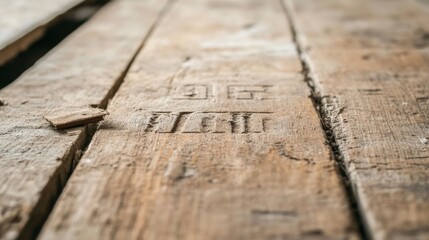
x=85 y=70
x=211 y=136
x=25 y=21
x=369 y=66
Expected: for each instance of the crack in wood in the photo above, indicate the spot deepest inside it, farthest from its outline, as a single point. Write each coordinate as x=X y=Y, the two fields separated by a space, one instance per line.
x=320 y=105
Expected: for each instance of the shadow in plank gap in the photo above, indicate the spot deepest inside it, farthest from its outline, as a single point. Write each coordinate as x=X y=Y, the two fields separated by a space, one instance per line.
x=11 y=70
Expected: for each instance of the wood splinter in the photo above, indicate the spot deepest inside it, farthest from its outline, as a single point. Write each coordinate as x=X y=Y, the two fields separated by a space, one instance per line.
x=77 y=118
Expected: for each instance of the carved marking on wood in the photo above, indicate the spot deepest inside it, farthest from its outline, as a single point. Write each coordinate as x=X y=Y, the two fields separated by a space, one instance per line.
x=161 y=122
x=250 y=92
x=207 y=122
x=192 y=92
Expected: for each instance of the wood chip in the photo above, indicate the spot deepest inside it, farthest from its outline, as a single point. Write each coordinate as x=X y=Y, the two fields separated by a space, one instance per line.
x=73 y=119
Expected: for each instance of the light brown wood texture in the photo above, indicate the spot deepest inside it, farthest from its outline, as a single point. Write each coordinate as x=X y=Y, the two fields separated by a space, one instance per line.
x=24 y=21
x=370 y=67
x=66 y=119
x=211 y=136
x=84 y=70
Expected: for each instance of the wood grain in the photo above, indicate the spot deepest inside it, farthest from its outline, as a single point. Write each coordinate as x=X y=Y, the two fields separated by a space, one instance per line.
x=369 y=66
x=24 y=21
x=211 y=136
x=84 y=70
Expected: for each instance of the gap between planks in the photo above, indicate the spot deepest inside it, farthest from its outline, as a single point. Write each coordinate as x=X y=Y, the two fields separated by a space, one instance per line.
x=28 y=36
x=387 y=176
x=54 y=34
x=321 y=110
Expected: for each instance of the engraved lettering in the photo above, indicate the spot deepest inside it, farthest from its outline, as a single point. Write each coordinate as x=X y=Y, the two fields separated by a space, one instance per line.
x=207 y=122
x=233 y=92
x=250 y=92
x=161 y=122
x=192 y=92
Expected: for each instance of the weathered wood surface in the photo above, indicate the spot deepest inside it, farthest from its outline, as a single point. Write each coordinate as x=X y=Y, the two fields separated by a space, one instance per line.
x=83 y=71
x=24 y=21
x=211 y=136
x=370 y=67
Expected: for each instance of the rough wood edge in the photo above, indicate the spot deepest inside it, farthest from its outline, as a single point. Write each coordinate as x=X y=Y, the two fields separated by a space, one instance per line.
x=21 y=43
